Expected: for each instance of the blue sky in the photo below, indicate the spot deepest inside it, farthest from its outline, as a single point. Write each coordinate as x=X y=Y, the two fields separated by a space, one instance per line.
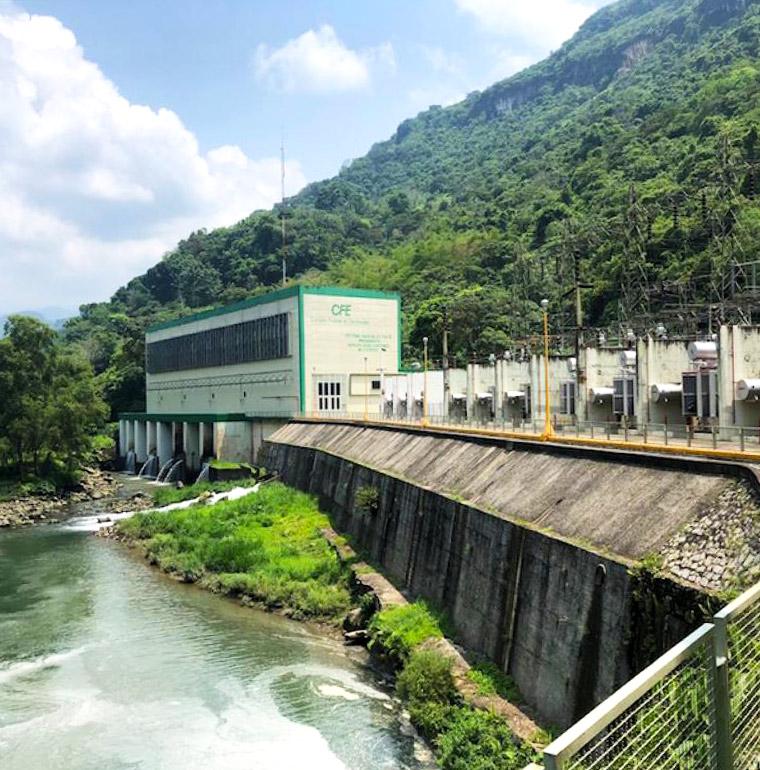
x=128 y=124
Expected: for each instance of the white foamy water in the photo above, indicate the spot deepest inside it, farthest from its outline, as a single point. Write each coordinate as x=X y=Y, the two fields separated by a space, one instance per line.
x=106 y=664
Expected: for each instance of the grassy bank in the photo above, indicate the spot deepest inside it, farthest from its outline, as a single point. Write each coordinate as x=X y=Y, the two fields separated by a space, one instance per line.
x=463 y=737
x=265 y=548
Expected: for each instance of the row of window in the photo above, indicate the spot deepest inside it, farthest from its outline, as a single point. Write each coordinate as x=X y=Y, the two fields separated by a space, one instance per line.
x=262 y=339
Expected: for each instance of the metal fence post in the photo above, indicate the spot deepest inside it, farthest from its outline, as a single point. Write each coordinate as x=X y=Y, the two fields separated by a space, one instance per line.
x=741 y=439
x=722 y=690
x=714 y=437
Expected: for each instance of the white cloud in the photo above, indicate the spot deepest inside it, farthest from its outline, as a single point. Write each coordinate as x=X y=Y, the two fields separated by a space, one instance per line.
x=318 y=61
x=93 y=188
x=541 y=24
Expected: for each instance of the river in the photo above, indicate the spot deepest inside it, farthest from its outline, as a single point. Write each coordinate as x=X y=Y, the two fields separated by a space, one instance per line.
x=105 y=664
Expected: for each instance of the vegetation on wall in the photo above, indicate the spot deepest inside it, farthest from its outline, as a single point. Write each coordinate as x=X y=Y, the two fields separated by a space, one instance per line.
x=632 y=151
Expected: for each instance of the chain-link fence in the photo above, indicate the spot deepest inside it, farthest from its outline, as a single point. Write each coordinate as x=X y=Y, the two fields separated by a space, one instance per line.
x=695 y=708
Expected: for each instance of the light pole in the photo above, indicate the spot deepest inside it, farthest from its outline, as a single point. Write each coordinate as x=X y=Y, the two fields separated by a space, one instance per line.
x=366 y=392
x=547 y=418
x=382 y=384
x=424 y=380
x=492 y=362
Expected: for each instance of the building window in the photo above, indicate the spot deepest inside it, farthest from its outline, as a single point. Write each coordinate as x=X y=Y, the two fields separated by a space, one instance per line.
x=567 y=398
x=328 y=396
x=262 y=339
x=375 y=385
x=624 y=396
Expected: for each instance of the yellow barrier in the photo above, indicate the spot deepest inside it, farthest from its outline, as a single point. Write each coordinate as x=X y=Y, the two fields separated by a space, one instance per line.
x=629 y=446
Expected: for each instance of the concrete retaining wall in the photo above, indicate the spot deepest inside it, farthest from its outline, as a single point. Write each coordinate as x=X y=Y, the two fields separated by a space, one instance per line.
x=568 y=624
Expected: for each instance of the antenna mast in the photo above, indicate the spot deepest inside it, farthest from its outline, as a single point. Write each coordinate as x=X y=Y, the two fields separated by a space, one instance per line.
x=282 y=212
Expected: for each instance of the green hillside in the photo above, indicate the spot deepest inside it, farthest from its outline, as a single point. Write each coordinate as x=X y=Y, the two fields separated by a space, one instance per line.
x=627 y=160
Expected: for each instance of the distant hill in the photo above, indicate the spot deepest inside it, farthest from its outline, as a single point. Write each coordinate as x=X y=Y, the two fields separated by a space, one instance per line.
x=627 y=160
x=53 y=316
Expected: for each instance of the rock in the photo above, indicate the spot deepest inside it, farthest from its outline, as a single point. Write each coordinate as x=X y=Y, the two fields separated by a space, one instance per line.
x=104 y=519
x=356 y=637
x=354 y=620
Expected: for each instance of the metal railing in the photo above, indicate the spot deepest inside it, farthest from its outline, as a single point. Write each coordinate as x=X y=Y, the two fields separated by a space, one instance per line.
x=726 y=440
x=695 y=708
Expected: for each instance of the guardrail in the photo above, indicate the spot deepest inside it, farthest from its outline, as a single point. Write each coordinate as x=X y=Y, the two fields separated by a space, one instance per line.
x=729 y=442
x=695 y=708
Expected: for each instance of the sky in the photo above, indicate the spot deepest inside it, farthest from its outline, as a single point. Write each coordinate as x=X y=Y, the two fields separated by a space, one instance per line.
x=124 y=126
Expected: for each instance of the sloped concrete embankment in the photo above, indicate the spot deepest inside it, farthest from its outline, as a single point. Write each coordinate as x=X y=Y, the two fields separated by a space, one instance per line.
x=558 y=611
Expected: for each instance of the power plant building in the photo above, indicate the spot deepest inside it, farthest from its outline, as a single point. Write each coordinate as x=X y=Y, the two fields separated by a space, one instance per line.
x=220 y=381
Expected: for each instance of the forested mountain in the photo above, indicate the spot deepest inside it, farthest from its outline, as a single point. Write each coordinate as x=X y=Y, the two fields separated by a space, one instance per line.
x=627 y=160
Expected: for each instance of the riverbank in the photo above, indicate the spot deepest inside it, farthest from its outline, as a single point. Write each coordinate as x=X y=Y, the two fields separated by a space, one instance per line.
x=96 y=485
x=274 y=550
x=107 y=663
x=264 y=549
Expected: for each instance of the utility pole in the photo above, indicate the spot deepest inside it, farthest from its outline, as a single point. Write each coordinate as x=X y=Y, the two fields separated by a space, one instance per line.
x=282 y=207
x=445 y=362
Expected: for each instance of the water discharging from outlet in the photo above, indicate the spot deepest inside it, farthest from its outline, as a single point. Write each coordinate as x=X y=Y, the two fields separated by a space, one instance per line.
x=130 y=463
x=165 y=468
x=205 y=473
x=150 y=468
x=176 y=472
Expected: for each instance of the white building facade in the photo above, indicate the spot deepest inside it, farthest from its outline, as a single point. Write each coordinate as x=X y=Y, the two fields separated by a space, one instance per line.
x=220 y=381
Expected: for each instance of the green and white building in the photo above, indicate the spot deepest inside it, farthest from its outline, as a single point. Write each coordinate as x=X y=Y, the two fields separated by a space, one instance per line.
x=220 y=381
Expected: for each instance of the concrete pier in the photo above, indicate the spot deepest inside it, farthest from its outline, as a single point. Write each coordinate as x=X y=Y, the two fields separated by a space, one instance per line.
x=164 y=447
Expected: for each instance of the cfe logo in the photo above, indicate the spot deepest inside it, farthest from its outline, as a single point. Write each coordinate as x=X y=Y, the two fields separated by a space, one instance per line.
x=344 y=310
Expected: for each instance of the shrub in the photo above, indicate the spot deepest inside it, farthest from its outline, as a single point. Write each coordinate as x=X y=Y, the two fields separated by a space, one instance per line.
x=367 y=500
x=427 y=677
x=398 y=630
x=478 y=740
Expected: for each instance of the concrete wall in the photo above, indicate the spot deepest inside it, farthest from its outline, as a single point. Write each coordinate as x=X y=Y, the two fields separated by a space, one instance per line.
x=661 y=362
x=568 y=624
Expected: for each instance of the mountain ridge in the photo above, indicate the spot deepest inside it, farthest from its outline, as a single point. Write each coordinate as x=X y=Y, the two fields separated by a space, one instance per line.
x=626 y=160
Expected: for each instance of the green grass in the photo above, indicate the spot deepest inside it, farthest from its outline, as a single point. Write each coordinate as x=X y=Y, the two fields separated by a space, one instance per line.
x=266 y=547
x=491 y=680
x=398 y=630
x=168 y=495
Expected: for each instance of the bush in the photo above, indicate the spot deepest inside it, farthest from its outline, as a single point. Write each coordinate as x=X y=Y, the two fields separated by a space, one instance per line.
x=478 y=740
x=398 y=630
x=367 y=500
x=427 y=677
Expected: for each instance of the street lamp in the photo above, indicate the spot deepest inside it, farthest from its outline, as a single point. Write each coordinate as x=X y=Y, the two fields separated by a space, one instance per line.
x=382 y=383
x=547 y=418
x=424 y=380
x=366 y=391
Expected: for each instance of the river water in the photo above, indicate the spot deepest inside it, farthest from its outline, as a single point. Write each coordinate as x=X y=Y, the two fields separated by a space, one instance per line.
x=105 y=664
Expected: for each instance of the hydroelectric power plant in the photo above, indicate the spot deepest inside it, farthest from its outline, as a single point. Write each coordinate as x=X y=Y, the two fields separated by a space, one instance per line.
x=574 y=515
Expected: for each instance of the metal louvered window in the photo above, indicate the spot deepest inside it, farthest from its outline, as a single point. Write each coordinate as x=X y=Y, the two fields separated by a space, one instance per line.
x=259 y=340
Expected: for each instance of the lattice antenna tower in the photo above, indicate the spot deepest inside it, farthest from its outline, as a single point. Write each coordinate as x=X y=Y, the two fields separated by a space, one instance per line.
x=634 y=275
x=282 y=213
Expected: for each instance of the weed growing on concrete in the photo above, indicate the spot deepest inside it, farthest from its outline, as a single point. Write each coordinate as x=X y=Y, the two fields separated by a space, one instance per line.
x=491 y=680
x=367 y=500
